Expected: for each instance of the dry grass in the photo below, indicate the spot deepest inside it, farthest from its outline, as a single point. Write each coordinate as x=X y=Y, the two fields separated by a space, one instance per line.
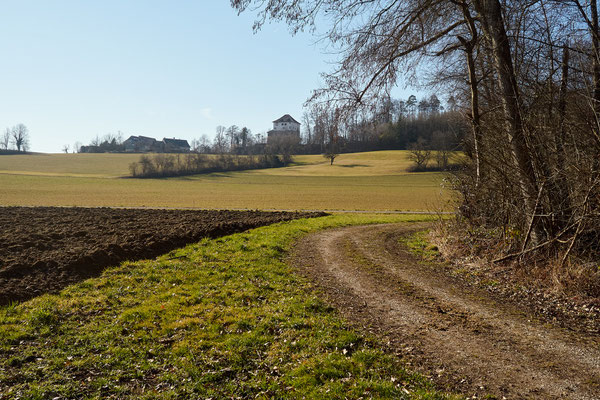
x=364 y=181
x=473 y=250
x=93 y=165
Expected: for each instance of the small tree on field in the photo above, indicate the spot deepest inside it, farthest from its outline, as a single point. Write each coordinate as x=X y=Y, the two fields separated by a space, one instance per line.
x=420 y=155
x=20 y=137
x=441 y=142
x=331 y=154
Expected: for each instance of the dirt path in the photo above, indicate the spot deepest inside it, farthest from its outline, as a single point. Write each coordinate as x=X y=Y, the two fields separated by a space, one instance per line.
x=462 y=338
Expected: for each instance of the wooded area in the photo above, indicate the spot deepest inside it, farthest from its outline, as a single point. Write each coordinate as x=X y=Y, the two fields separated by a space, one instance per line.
x=525 y=75
x=389 y=124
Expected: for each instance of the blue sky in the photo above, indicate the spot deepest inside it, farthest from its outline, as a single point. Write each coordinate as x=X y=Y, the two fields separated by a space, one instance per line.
x=72 y=70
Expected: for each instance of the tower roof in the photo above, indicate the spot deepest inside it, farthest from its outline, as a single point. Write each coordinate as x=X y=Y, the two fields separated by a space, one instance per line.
x=286 y=118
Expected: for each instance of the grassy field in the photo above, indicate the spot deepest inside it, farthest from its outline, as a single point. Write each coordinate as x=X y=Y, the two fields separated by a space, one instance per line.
x=373 y=181
x=224 y=318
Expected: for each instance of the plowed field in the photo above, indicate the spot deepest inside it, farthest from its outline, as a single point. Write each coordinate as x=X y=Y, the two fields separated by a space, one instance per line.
x=43 y=249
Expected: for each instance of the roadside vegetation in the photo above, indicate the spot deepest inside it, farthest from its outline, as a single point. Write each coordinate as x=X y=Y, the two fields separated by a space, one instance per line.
x=223 y=318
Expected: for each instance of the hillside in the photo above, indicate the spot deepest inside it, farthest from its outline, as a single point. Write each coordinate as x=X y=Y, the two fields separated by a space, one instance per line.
x=374 y=181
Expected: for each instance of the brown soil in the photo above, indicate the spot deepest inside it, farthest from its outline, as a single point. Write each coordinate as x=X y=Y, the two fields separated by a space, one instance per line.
x=465 y=339
x=43 y=249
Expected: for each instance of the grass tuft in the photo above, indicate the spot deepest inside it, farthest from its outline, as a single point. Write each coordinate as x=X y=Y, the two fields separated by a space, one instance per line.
x=419 y=244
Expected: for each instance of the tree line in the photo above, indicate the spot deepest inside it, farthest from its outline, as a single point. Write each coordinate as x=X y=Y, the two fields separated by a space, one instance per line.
x=109 y=143
x=390 y=124
x=525 y=76
x=169 y=165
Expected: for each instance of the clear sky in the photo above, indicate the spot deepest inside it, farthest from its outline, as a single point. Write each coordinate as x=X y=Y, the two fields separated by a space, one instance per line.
x=74 y=69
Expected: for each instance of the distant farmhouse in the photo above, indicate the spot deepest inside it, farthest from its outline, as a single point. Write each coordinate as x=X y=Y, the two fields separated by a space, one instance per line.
x=285 y=128
x=144 y=144
x=141 y=144
x=175 y=145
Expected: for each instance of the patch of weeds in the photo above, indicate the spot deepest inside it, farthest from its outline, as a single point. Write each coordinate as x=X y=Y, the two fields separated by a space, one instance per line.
x=420 y=245
x=45 y=316
x=490 y=283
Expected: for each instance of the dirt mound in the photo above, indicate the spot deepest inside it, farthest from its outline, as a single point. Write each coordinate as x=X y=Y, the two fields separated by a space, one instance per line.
x=44 y=249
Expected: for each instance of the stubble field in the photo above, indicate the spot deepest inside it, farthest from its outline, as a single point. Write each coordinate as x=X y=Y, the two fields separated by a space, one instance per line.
x=374 y=181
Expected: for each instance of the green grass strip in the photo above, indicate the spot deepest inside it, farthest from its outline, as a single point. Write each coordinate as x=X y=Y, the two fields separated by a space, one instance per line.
x=223 y=318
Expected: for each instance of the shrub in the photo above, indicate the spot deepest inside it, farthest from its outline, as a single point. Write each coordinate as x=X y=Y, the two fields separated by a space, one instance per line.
x=169 y=165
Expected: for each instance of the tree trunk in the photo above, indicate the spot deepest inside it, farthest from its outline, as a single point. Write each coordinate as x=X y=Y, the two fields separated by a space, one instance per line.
x=562 y=184
x=475 y=118
x=493 y=26
x=562 y=97
x=596 y=62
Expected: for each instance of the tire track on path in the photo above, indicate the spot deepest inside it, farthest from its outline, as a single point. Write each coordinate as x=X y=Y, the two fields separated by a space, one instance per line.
x=461 y=337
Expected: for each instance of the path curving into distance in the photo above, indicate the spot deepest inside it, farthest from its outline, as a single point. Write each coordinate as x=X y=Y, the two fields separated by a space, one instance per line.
x=461 y=337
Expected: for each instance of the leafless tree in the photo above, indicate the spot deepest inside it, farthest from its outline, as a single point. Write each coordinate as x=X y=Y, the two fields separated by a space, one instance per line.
x=96 y=141
x=220 y=143
x=307 y=127
x=331 y=154
x=195 y=146
x=441 y=142
x=5 y=139
x=200 y=145
x=261 y=137
x=420 y=155
x=65 y=149
x=20 y=137
x=377 y=40
x=232 y=133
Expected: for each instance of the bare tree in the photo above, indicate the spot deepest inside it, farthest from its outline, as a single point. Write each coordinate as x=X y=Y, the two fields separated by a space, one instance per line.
x=307 y=127
x=195 y=145
x=65 y=149
x=204 y=143
x=441 y=142
x=96 y=141
x=377 y=39
x=420 y=155
x=331 y=154
x=20 y=137
x=220 y=144
x=233 y=134
x=5 y=139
